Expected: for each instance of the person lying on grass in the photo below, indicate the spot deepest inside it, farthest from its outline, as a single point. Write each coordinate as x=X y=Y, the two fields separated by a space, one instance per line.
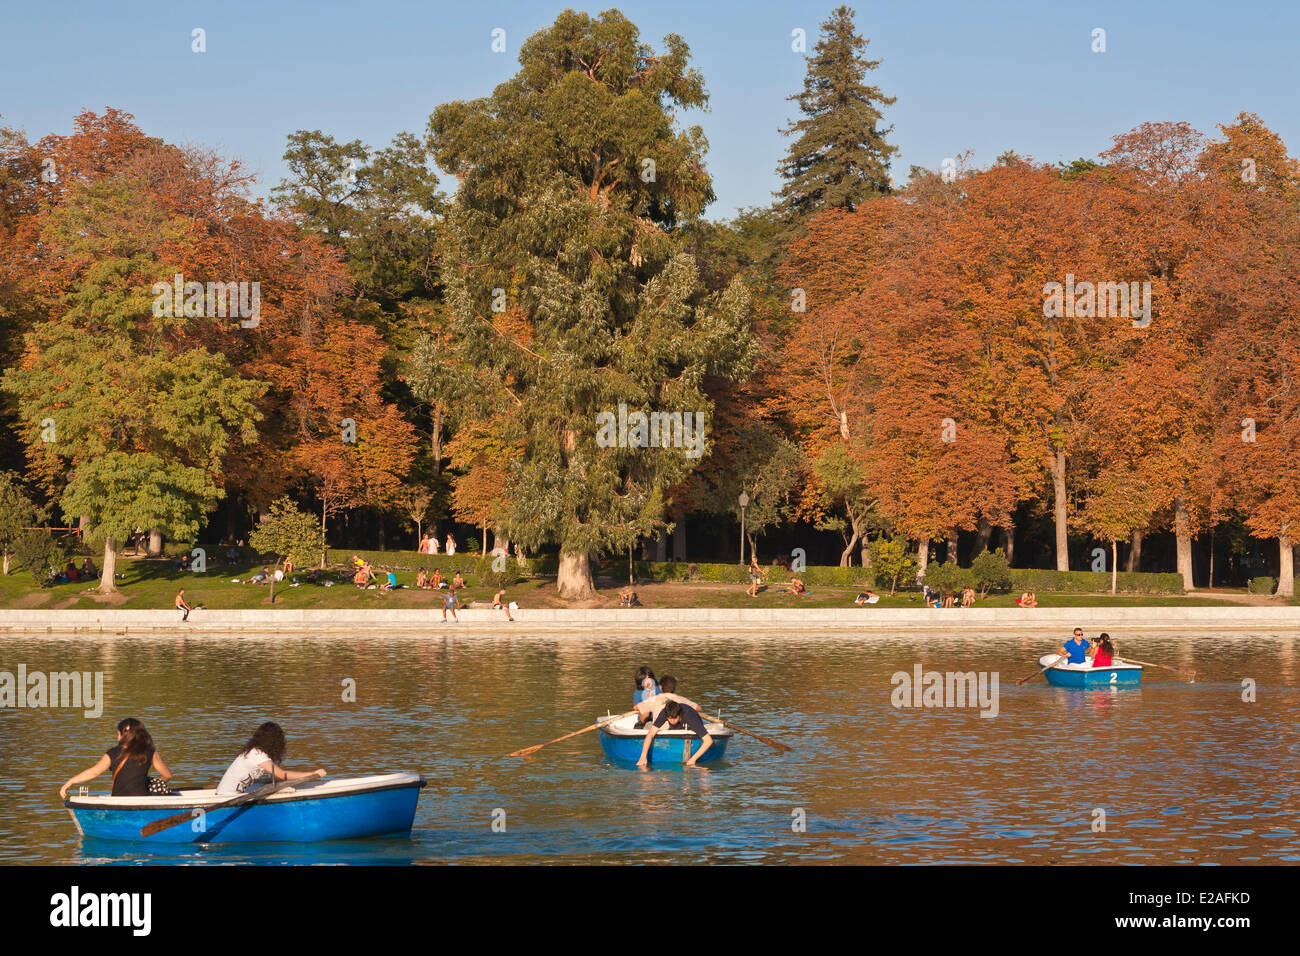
x=676 y=716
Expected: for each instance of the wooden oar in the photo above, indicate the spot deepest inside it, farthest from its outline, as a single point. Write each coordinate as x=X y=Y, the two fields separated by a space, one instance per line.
x=251 y=796
x=1056 y=659
x=600 y=723
x=749 y=733
x=1190 y=675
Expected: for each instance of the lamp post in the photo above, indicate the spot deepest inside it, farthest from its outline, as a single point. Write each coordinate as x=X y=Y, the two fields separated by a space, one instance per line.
x=744 y=503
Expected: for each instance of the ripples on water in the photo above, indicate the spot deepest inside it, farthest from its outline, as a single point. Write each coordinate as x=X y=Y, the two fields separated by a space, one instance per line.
x=1186 y=773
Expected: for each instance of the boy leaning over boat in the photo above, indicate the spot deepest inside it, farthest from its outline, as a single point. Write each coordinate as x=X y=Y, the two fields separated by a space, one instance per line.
x=677 y=715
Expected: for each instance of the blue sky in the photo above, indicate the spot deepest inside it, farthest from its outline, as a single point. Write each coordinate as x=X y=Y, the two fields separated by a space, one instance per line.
x=983 y=76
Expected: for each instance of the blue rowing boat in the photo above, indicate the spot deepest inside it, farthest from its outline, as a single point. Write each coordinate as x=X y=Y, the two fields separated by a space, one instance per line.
x=308 y=812
x=1085 y=676
x=622 y=741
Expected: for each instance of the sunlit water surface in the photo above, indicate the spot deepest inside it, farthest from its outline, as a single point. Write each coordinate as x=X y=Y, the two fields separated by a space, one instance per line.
x=1184 y=772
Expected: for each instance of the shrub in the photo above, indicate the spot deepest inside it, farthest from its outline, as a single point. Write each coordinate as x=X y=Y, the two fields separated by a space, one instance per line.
x=1262 y=585
x=1098 y=582
x=991 y=572
x=891 y=562
x=494 y=579
x=40 y=554
x=948 y=578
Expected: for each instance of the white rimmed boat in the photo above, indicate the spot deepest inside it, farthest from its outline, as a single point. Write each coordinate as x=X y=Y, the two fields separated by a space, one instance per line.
x=622 y=740
x=310 y=811
x=1117 y=674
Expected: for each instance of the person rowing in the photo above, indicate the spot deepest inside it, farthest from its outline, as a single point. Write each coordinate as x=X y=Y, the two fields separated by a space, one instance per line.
x=652 y=702
x=677 y=715
x=1075 y=650
x=259 y=760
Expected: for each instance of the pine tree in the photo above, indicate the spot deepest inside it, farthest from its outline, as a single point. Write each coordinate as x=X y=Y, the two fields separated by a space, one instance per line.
x=841 y=158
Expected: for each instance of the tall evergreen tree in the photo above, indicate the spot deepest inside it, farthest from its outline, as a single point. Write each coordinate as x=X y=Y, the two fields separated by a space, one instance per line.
x=840 y=158
x=568 y=284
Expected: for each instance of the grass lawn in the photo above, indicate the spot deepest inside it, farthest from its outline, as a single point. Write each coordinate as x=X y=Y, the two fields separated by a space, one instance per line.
x=150 y=584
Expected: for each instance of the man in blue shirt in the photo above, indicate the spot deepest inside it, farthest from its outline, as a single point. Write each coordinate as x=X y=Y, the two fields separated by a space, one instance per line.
x=1077 y=649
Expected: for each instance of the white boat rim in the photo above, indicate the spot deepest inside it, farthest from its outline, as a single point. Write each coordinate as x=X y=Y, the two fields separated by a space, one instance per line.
x=313 y=789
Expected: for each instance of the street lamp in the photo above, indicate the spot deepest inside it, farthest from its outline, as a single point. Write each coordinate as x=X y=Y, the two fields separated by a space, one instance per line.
x=744 y=503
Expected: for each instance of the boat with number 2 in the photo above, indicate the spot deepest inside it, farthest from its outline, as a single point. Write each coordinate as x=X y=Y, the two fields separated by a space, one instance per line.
x=307 y=812
x=1117 y=674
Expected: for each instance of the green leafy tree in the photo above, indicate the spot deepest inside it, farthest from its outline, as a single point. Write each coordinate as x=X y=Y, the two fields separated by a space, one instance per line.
x=380 y=206
x=948 y=578
x=567 y=284
x=841 y=157
x=844 y=489
x=991 y=571
x=17 y=515
x=122 y=413
x=892 y=561
x=286 y=531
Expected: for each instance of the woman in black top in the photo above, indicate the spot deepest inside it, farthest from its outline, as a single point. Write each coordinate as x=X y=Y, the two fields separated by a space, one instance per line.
x=130 y=761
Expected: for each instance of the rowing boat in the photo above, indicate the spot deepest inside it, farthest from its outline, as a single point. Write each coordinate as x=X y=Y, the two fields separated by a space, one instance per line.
x=1118 y=674
x=622 y=741
x=307 y=812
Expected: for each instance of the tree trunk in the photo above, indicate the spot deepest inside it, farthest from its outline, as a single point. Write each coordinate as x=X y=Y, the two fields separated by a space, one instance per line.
x=435 y=445
x=1061 y=511
x=1134 y=562
x=985 y=527
x=679 y=539
x=865 y=556
x=382 y=544
x=753 y=547
x=1286 y=568
x=1183 y=532
x=323 y=548
x=950 y=549
x=574 y=581
x=1114 y=565
x=107 y=574
x=922 y=557
x=846 y=556
x=6 y=571
x=155 y=543
x=1009 y=544
x=661 y=547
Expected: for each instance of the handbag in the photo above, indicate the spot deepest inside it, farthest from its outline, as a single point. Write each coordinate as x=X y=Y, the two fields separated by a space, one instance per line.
x=160 y=788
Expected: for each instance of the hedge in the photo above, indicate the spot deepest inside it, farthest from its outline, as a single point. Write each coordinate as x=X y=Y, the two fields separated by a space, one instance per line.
x=1137 y=582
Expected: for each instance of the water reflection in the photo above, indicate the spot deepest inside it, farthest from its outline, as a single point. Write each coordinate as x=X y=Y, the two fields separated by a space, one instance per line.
x=1184 y=772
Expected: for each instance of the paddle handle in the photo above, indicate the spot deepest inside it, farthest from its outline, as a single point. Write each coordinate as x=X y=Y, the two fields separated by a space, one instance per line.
x=251 y=796
x=749 y=733
x=600 y=723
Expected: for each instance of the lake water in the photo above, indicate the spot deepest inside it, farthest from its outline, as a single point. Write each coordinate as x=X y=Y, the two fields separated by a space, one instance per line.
x=1184 y=772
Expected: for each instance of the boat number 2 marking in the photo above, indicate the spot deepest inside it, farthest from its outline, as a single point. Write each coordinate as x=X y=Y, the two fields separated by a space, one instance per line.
x=1114 y=677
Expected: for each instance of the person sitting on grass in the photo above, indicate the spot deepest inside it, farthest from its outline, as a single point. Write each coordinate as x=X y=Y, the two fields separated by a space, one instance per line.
x=676 y=715
x=88 y=569
x=1027 y=600
x=422 y=579
x=457 y=582
x=968 y=596
x=232 y=555
x=797 y=586
x=866 y=597
x=436 y=582
x=390 y=584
